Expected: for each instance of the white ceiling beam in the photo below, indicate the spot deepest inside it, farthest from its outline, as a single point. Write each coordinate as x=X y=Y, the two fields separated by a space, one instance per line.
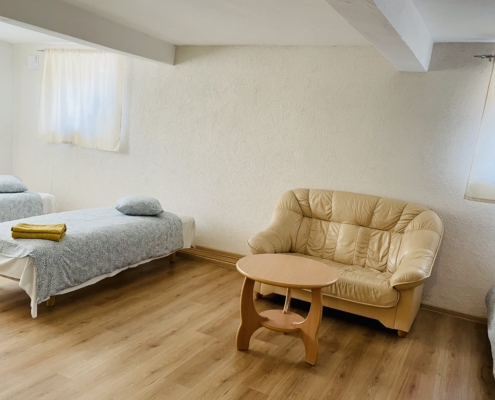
x=394 y=27
x=68 y=22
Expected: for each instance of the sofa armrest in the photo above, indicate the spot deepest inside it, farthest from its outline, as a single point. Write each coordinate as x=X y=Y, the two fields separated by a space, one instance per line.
x=272 y=240
x=418 y=250
x=413 y=270
x=282 y=232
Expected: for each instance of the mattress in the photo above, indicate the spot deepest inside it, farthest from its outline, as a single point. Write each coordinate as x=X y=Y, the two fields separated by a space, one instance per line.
x=23 y=270
x=49 y=202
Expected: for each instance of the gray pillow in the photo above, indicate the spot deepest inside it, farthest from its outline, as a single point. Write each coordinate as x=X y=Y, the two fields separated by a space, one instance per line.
x=11 y=184
x=138 y=205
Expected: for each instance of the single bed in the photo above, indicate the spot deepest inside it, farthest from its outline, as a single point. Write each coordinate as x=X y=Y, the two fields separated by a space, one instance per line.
x=101 y=238
x=27 y=204
x=490 y=307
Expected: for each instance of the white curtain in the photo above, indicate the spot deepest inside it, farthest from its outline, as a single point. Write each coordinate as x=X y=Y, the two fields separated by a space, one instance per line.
x=81 y=98
x=481 y=183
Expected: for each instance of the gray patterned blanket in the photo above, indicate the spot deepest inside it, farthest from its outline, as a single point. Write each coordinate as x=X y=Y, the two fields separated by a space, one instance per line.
x=98 y=241
x=19 y=205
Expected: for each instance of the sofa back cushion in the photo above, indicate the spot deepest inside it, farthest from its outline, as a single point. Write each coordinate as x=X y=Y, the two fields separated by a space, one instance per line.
x=352 y=228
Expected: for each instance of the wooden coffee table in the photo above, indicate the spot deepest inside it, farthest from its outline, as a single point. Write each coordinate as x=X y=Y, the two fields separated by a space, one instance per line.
x=290 y=272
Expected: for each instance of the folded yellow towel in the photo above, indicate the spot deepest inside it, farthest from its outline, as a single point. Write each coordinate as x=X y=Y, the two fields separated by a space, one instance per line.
x=46 y=236
x=55 y=229
x=53 y=232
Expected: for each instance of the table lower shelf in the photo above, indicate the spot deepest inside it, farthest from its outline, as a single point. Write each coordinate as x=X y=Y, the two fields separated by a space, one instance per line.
x=280 y=322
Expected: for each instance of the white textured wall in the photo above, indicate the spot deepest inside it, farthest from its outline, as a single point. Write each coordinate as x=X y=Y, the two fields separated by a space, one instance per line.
x=6 y=106
x=227 y=130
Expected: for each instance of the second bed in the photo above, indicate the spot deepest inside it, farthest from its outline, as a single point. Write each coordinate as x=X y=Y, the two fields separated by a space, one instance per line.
x=26 y=204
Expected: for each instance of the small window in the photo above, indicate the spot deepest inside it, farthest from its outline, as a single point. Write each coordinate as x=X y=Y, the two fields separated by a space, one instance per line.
x=481 y=184
x=81 y=98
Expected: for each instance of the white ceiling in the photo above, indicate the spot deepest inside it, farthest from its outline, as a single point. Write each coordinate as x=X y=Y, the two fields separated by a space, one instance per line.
x=282 y=22
x=268 y=22
x=459 y=20
x=15 y=34
x=224 y=22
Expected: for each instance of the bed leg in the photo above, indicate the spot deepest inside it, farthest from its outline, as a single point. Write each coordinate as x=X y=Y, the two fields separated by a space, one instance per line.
x=51 y=301
x=173 y=257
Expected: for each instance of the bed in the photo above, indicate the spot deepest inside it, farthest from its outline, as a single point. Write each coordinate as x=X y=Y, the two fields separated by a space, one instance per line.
x=107 y=243
x=490 y=307
x=26 y=204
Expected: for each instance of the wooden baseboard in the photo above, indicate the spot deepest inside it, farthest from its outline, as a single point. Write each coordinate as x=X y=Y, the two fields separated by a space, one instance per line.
x=218 y=257
x=229 y=260
x=456 y=314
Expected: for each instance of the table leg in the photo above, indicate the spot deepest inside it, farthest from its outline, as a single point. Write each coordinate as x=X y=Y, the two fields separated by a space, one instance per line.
x=250 y=319
x=288 y=297
x=309 y=327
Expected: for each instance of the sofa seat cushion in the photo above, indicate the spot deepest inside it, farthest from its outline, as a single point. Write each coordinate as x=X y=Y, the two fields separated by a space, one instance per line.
x=360 y=284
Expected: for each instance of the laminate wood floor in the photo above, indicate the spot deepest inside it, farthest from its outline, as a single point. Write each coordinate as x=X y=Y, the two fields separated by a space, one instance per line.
x=168 y=332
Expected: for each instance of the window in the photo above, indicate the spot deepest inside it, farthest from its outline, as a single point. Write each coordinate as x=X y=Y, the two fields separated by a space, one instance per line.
x=481 y=184
x=81 y=98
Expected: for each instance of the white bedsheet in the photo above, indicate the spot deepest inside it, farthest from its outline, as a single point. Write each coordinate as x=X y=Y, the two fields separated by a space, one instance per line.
x=23 y=269
x=49 y=202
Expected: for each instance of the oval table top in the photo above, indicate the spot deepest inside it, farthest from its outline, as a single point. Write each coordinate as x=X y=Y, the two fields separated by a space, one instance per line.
x=287 y=271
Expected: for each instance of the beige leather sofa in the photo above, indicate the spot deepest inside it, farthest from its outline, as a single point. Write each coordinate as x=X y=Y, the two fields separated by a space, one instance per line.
x=384 y=250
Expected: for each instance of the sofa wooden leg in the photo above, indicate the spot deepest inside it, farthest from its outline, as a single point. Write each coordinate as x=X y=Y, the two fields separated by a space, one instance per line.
x=258 y=295
x=51 y=301
x=173 y=257
x=402 y=334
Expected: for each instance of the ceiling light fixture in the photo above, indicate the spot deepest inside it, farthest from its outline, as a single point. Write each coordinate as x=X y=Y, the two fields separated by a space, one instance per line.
x=489 y=57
